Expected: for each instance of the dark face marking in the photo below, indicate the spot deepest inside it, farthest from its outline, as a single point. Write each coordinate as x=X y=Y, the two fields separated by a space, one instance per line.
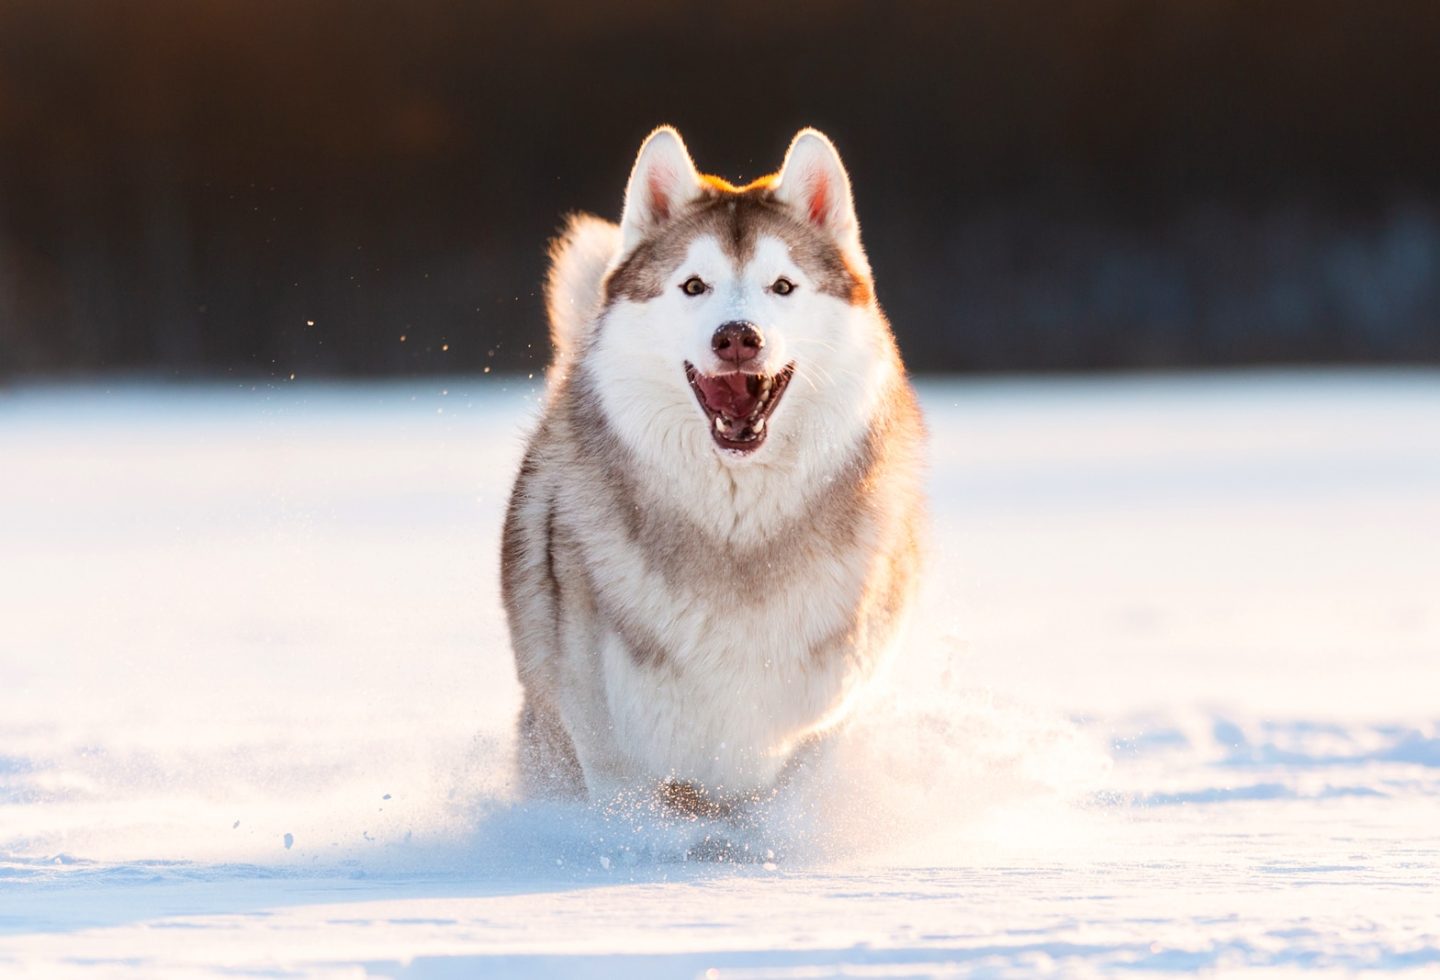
x=736 y=219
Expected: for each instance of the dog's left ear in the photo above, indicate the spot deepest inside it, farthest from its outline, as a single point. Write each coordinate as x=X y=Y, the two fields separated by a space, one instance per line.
x=664 y=180
x=813 y=182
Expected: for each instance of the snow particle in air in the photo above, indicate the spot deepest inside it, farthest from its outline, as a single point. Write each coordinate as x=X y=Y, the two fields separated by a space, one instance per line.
x=289 y=841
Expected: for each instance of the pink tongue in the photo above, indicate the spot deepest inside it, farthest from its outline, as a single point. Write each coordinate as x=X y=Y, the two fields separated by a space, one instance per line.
x=726 y=394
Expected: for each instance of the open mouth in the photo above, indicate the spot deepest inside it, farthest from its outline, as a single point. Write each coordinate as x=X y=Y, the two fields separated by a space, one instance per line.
x=738 y=404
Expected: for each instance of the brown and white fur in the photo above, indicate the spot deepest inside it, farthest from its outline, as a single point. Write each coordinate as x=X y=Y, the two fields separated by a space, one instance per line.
x=694 y=598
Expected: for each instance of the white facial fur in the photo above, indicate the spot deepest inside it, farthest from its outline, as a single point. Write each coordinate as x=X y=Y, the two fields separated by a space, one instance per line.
x=842 y=363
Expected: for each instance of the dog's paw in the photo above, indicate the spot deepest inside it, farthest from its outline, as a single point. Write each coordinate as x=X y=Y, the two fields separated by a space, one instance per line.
x=717 y=848
x=693 y=801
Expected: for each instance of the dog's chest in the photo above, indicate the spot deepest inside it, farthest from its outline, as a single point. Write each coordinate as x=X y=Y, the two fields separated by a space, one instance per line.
x=732 y=687
x=721 y=651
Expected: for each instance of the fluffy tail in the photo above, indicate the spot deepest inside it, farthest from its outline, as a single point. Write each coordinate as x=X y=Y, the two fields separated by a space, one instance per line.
x=579 y=259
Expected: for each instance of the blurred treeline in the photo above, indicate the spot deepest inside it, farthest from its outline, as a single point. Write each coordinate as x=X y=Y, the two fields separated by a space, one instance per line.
x=186 y=184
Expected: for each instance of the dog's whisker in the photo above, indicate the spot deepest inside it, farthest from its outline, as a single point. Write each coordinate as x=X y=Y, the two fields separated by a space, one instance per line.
x=824 y=374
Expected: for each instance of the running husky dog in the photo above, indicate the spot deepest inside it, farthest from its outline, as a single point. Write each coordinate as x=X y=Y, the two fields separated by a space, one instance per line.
x=713 y=537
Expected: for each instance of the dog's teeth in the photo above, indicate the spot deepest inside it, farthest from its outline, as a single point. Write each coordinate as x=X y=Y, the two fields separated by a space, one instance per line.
x=719 y=425
x=758 y=427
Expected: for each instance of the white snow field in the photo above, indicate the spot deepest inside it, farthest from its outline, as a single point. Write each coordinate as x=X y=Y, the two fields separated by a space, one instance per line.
x=1171 y=702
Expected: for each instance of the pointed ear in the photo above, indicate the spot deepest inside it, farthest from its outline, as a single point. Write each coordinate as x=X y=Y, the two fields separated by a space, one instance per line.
x=664 y=180
x=814 y=184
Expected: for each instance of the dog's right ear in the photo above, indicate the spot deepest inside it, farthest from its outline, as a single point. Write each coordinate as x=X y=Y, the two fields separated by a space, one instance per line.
x=663 y=181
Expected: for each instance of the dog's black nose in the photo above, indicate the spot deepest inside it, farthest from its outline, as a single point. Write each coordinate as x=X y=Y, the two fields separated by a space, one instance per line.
x=737 y=341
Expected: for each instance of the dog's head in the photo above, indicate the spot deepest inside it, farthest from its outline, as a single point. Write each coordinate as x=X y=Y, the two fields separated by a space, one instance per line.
x=745 y=313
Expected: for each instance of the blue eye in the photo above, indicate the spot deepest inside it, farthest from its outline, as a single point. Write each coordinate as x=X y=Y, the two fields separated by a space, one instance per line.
x=782 y=287
x=694 y=286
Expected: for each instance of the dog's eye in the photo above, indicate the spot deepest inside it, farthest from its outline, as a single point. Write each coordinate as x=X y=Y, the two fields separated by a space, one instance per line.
x=782 y=287
x=694 y=286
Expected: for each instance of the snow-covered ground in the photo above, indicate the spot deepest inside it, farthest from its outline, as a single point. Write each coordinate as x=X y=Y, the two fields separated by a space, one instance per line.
x=1172 y=701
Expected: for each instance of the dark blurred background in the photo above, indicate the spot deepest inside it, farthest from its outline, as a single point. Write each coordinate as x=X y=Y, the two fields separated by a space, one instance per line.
x=244 y=187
